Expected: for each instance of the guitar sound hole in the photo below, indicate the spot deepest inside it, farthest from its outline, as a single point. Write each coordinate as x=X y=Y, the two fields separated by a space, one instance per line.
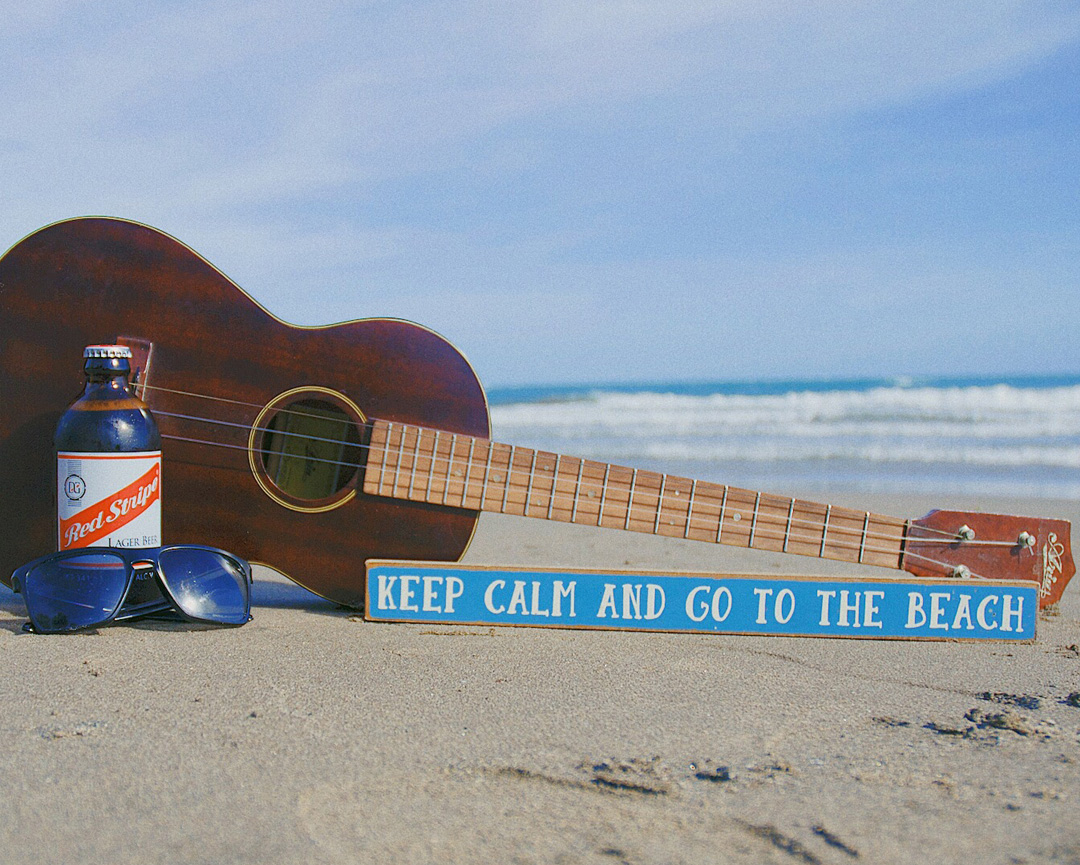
x=310 y=449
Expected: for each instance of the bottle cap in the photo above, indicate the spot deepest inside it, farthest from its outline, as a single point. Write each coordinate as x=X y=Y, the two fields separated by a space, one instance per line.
x=107 y=351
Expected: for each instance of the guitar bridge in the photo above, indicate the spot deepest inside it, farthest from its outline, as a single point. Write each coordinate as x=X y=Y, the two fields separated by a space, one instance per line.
x=141 y=354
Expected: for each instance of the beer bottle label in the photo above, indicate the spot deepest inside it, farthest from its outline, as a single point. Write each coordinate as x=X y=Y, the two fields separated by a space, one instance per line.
x=108 y=499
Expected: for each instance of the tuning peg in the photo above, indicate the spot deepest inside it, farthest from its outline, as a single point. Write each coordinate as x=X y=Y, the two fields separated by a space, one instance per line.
x=965 y=533
x=1026 y=539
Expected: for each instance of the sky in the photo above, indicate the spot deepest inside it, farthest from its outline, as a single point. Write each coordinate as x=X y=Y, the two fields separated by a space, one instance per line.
x=580 y=192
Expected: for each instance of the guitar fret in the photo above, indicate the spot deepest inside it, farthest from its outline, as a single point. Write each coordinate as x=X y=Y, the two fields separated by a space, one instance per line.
x=431 y=466
x=381 y=465
x=385 y=454
x=603 y=496
x=506 y=480
x=825 y=530
x=577 y=491
x=554 y=483
x=690 y=508
x=787 y=529
x=468 y=472
x=397 y=466
x=630 y=499
x=862 y=541
x=487 y=475
x=449 y=467
x=723 y=505
x=397 y=469
x=387 y=472
x=529 y=488
x=659 y=505
x=753 y=522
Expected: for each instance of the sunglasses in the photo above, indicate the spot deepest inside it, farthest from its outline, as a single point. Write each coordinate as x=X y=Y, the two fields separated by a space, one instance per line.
x=91 y=586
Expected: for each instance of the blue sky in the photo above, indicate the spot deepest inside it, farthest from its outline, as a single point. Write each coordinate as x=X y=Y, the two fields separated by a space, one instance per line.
x=587 y=192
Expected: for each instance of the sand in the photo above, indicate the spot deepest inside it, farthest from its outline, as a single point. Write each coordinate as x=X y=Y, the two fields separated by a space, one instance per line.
x=310 y=735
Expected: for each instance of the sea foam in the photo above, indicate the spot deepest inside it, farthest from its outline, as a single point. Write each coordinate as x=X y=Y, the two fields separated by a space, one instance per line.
x=993 y=438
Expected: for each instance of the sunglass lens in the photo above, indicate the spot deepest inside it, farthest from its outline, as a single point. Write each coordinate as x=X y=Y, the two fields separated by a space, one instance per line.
x=76 y=592
x=206 y=585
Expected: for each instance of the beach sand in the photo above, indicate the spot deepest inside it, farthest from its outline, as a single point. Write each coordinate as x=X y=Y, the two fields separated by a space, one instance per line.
x=310 y=735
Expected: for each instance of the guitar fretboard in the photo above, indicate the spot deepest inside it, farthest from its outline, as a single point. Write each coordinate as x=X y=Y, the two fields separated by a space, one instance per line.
x=426 y=465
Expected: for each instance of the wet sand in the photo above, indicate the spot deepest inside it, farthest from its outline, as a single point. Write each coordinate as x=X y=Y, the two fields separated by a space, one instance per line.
x=310 y=735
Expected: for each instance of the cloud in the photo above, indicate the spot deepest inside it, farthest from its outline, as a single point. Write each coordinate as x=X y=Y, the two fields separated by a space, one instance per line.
x=262 y=101
x=458 y=162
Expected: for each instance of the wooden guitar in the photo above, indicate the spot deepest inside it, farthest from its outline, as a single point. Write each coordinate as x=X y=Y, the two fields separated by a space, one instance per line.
x=312 y=449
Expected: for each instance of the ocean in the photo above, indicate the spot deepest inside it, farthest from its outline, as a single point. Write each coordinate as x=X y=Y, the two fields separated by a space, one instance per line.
x=965 y=436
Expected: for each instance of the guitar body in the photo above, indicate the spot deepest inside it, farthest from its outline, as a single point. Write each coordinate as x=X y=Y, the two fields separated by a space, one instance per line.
x=218 y=371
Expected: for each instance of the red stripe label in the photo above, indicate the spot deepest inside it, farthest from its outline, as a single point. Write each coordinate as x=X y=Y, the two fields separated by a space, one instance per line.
x=99 y=520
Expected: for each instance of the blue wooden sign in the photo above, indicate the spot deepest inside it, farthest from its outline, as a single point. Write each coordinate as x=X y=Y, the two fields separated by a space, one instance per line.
x=437 y=592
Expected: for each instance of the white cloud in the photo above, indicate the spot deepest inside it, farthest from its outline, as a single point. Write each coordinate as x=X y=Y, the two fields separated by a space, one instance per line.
x=262 y=132
x=252 y=102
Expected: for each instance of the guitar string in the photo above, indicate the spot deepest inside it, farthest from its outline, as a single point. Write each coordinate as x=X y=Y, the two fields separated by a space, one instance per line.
x=763 y=532
x=863 y=535
x=356 y=445
x=769 y=513
x=305 y=436
x=767 y=520
x=450 y=459
x=431 y=471
x=946 y=537
x=765 y=517
x=814 y=540
x=236 y=402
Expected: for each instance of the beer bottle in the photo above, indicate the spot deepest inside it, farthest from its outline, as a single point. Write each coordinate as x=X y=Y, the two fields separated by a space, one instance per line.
x=108 y=461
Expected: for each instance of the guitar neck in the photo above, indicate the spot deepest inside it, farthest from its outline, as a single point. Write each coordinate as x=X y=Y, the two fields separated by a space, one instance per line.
x=426 y=465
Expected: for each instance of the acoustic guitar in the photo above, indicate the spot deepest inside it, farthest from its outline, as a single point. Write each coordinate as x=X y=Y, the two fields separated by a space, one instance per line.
x=311 y=449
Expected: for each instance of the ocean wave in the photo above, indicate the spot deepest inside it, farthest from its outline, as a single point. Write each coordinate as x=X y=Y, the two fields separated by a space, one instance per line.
x=1029 y=455
x=969 y=403
x=988 y=427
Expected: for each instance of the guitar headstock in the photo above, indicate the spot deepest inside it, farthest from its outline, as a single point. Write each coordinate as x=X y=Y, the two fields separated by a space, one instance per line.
x=993 y=547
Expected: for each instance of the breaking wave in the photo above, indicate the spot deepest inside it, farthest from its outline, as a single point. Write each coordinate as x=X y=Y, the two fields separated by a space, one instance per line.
x=1000 y=438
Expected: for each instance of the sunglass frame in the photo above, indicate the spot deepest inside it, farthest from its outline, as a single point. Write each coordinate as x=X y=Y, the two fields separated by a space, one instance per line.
x=133 y=559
